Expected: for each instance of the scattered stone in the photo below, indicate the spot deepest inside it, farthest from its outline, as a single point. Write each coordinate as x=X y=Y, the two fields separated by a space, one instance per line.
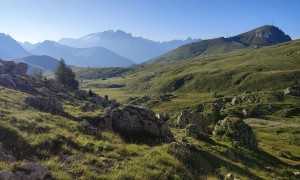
x=236 y=130
x=196 y=118
x=235 y=101
x=48 y=104
x=139 y=100
x=132 y=120
x=297 y=174
x=294 y=91
x=247 y=112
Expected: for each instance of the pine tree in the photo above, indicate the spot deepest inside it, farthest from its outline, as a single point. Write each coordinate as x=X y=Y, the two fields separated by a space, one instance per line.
x=66 y=76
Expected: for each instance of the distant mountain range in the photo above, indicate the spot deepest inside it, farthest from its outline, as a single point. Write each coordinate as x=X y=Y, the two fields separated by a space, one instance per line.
x=137 y=49
x=43 y=63
x=262 y=36
x=10 y=49
x=29 y=46
x=83 y=57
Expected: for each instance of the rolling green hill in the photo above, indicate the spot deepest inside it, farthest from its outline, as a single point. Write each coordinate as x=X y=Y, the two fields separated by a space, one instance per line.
x=262 y=36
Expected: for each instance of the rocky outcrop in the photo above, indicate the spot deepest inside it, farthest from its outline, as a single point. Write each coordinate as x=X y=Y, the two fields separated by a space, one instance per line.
x=81 y=94
x=99 y=101
x=27 y=171
x=55 y=86
x=6 y=156
x=85 y=127
x=163 y=116
x=237 y=131
x=20 y=69
x=193 y=131
x=293 y=91
x=47 y=104
x=133 y=121
x=196 y=118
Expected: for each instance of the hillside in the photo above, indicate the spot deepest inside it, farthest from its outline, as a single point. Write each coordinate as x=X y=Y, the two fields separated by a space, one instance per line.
x=262 y=36
x=84 y=57
x=10 y=49
x=136 y=48
x=48 y=132
x=44 y=63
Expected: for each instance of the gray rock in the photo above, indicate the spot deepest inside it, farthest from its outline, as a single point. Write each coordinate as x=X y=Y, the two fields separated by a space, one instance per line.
x=87 y=107
x=237 y=131
x=31 y=171
x=6 y=80
x=48 y=104
x=193 y=131
x=19 y=69
x=98 y=100
x=85 y=127
x=196 y=118
x=5 y=175
x=55 y=86
x=131 y=120
x=81 y=94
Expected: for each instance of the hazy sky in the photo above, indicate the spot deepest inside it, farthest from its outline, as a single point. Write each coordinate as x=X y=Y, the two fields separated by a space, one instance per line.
x=38 y=20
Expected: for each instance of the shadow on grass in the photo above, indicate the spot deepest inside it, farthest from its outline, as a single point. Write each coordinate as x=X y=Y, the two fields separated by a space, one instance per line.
x=13 y=142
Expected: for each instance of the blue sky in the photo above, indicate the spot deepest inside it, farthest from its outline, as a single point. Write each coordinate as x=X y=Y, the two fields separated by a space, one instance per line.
x=38 y=20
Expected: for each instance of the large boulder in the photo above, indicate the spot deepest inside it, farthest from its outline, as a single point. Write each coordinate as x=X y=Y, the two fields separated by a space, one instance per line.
x=193 y=117
x=294 y=91
x=193 y=131
x=132 y=121
x=6 y=80
x=47 y=104
x=99 y=101
x=237 y=131
x=81 y=94
x=55 y=86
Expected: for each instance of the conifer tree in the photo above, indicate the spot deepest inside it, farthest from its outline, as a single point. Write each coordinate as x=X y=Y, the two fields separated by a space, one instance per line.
x=66 y=76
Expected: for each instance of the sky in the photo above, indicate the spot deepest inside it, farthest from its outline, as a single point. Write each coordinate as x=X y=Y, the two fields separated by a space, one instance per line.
x=159 y=20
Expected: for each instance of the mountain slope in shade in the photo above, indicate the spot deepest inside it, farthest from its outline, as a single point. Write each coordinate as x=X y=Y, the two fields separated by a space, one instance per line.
x=29 y=46
x=10 y=49
x=44 y=63
x=83 y=57
x=136 y=48
x=262 y=36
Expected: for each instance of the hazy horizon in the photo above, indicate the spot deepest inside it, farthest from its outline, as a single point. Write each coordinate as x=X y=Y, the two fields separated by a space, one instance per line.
x=36 y=21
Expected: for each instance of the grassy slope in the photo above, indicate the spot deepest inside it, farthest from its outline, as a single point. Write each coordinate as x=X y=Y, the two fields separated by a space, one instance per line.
x=28 y=132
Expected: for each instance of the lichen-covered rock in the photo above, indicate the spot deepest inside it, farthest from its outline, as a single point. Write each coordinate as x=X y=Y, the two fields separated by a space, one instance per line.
x=85 y=127
x=237 y=131
x=48 y=104
x=196 y=118
x=135 y=121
